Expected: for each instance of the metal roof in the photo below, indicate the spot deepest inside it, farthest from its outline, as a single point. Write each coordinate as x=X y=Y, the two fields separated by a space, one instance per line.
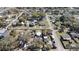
x=66 y=36
x=2 y=30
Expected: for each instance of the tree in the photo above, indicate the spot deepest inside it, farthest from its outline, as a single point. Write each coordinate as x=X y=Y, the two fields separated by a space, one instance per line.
x=21 y=19
x=62 y=18
x=13 y=33
x=35 y=15
x=38 y=15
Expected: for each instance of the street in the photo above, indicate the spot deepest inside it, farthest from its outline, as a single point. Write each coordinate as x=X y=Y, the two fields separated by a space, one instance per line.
x=57 y=40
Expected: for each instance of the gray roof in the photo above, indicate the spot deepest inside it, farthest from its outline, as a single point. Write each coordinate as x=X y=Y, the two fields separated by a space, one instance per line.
x=2 y=30
x=66 y=36
x=75 y=34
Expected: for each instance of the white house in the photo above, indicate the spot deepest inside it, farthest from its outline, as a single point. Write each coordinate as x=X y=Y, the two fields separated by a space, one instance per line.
x=3 y=32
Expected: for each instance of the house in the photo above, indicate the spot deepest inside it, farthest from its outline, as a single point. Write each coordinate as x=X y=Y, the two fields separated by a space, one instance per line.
x=3 y=32
x=34 y=22
x=21 y=40
x=31 y=23
x=38 y=33
x=15 y=23
x=45 y=37
x=66 y=37
x=21 y=43
x=74 y=35
x=52 y=19
x=22 y=23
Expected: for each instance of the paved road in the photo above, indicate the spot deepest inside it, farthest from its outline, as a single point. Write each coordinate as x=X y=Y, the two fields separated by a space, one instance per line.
x=57 y=40
x=58 y=43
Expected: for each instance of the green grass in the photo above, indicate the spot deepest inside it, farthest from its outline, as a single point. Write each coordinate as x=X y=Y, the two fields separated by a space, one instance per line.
x=60 y=33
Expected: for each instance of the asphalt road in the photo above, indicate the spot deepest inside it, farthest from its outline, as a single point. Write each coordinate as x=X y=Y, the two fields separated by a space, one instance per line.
x=58 y=43
x=57 y=40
